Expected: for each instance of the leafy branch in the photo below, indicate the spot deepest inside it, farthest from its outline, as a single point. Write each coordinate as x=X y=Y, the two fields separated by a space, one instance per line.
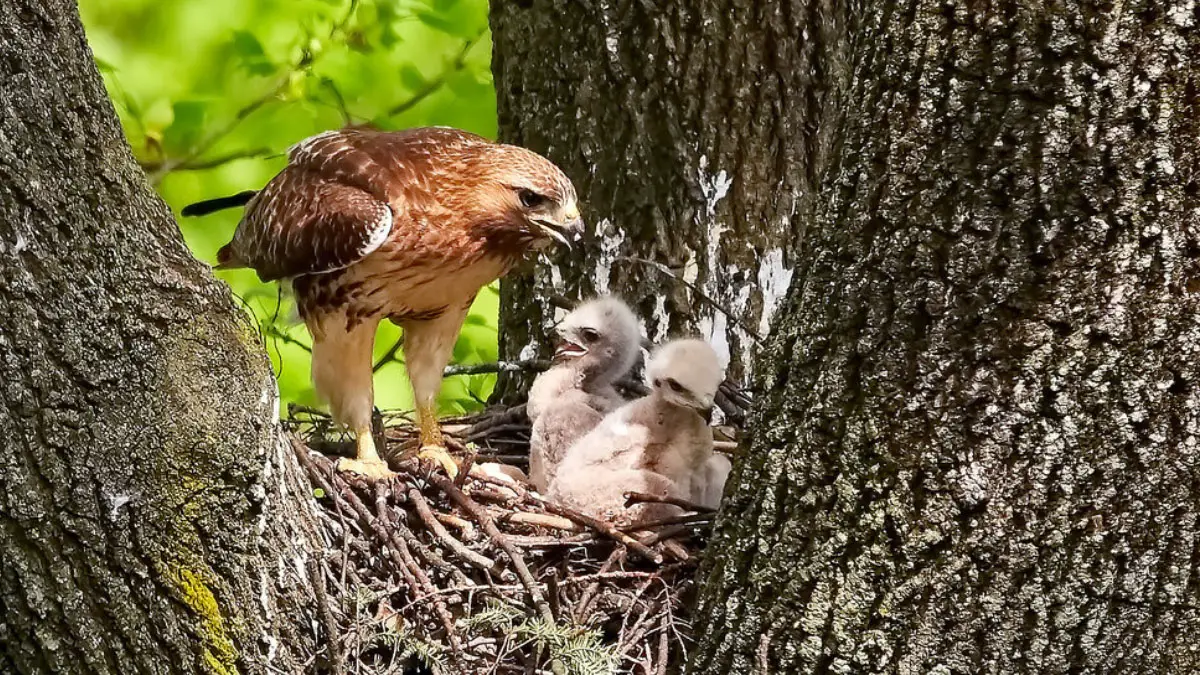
x=432 y=86
x=304 y=63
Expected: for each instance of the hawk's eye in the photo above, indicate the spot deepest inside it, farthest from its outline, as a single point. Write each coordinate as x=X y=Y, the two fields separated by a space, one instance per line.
x=530 y=199
x=675 y=386
x=589 y=335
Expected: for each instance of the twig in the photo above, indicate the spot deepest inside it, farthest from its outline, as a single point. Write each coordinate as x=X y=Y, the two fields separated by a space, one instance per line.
x=273 y=331
x=431 y=87
x=666 y=271
x=305 y=62
x=381 y=492
x=316 y=576
x=686 y=519
x=485 y=521
x=530 y=366
x=664 y=534
x=664 y=644
x=542 y=520
x=389 y=355
x=476 y=559
x=211 y=163
x=589 y=593
x=606 y=529
x=641 y=497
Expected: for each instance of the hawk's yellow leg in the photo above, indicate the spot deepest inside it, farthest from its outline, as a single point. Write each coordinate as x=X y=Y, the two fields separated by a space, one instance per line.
x=368 y=462
x=432 y=445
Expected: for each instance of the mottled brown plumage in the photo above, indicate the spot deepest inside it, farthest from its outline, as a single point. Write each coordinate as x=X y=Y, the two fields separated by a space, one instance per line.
x=407 y=226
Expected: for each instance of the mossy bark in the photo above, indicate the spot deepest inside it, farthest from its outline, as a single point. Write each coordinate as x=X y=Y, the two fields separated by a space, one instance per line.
x=975 y=445
x=151 y=518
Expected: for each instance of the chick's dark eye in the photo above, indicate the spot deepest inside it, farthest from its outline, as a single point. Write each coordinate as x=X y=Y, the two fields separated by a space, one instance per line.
x=589 y=335
x=530 y=199
x=675 y=386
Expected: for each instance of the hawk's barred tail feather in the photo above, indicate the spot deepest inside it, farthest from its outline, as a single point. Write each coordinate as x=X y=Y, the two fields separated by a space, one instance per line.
x=219 y=204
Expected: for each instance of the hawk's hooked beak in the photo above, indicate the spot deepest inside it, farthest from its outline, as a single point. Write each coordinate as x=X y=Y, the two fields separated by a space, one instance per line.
x=568 y=227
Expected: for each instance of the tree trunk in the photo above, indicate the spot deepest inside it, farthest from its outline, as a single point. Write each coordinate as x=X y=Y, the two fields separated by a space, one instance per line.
x=676 y=125
x=976 y=445
x=151 y=518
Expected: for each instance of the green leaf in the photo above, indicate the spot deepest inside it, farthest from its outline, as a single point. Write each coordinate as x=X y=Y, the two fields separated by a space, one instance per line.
x=412 y=78
x=457 y=19
x=249 y=54
x=186 y=126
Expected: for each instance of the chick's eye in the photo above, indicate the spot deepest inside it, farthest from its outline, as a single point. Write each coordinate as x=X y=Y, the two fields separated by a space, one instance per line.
x=530 y=199
x=589 y=335
x=675 y=386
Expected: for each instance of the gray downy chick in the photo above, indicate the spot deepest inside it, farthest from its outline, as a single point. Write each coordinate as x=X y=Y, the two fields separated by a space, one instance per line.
x=598 y=343
x=660 y=443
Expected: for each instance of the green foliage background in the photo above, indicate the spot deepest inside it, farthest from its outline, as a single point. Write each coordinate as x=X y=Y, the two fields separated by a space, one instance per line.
x=211 y=93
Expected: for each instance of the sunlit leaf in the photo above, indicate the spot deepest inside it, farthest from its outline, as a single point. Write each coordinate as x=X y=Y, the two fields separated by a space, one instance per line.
x=457 y=19
x=412 y=78
x=248 y=52
x=187 y=126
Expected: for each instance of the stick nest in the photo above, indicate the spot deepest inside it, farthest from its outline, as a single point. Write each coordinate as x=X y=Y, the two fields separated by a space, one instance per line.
x=424 y=574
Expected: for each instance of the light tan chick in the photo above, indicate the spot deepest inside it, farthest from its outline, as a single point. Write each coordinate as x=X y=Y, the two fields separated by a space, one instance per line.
x=598 y=344
x=660 y=443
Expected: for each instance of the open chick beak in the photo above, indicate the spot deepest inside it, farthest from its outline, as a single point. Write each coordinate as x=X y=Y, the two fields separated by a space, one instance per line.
x=566 y=349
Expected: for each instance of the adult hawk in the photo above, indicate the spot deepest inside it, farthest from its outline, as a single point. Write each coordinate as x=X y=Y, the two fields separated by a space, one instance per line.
x=406 y=226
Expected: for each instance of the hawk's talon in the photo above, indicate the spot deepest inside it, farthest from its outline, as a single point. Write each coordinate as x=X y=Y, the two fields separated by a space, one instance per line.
x=373 y=469
x=440 y=455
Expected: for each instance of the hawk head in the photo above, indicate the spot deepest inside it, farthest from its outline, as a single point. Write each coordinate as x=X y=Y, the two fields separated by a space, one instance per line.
x=523 y=196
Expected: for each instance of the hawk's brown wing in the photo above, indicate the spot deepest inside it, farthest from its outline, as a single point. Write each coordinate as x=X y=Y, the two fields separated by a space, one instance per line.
x=337 y=200
x=306 y=224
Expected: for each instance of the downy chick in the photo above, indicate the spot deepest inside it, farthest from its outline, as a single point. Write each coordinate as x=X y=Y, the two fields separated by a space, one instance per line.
x=598 y=343
x=660 y=443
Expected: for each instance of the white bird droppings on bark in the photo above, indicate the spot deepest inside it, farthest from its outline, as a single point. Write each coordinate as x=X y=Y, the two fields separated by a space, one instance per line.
x=774 y=278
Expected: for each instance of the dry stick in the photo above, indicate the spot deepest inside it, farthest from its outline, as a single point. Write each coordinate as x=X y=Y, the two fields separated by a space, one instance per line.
x=664 y=645
x=638 y=497
x=551 y=541
x=702 y=519
x=485 y=521
x=316 y=577
x=637 y=631
x=389 y=540
x=600 y=526
x=474 y=435
x=666 y=533
x=542 y=520
x=426 y=553
x=477 y=559
x=439 y=606
x=464 y=526
x=606 y=529
x=581 y=607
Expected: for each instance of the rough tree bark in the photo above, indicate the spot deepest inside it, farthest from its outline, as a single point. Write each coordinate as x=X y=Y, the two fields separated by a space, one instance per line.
x=151 y=520
x=689 y=131
x=975 y=449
